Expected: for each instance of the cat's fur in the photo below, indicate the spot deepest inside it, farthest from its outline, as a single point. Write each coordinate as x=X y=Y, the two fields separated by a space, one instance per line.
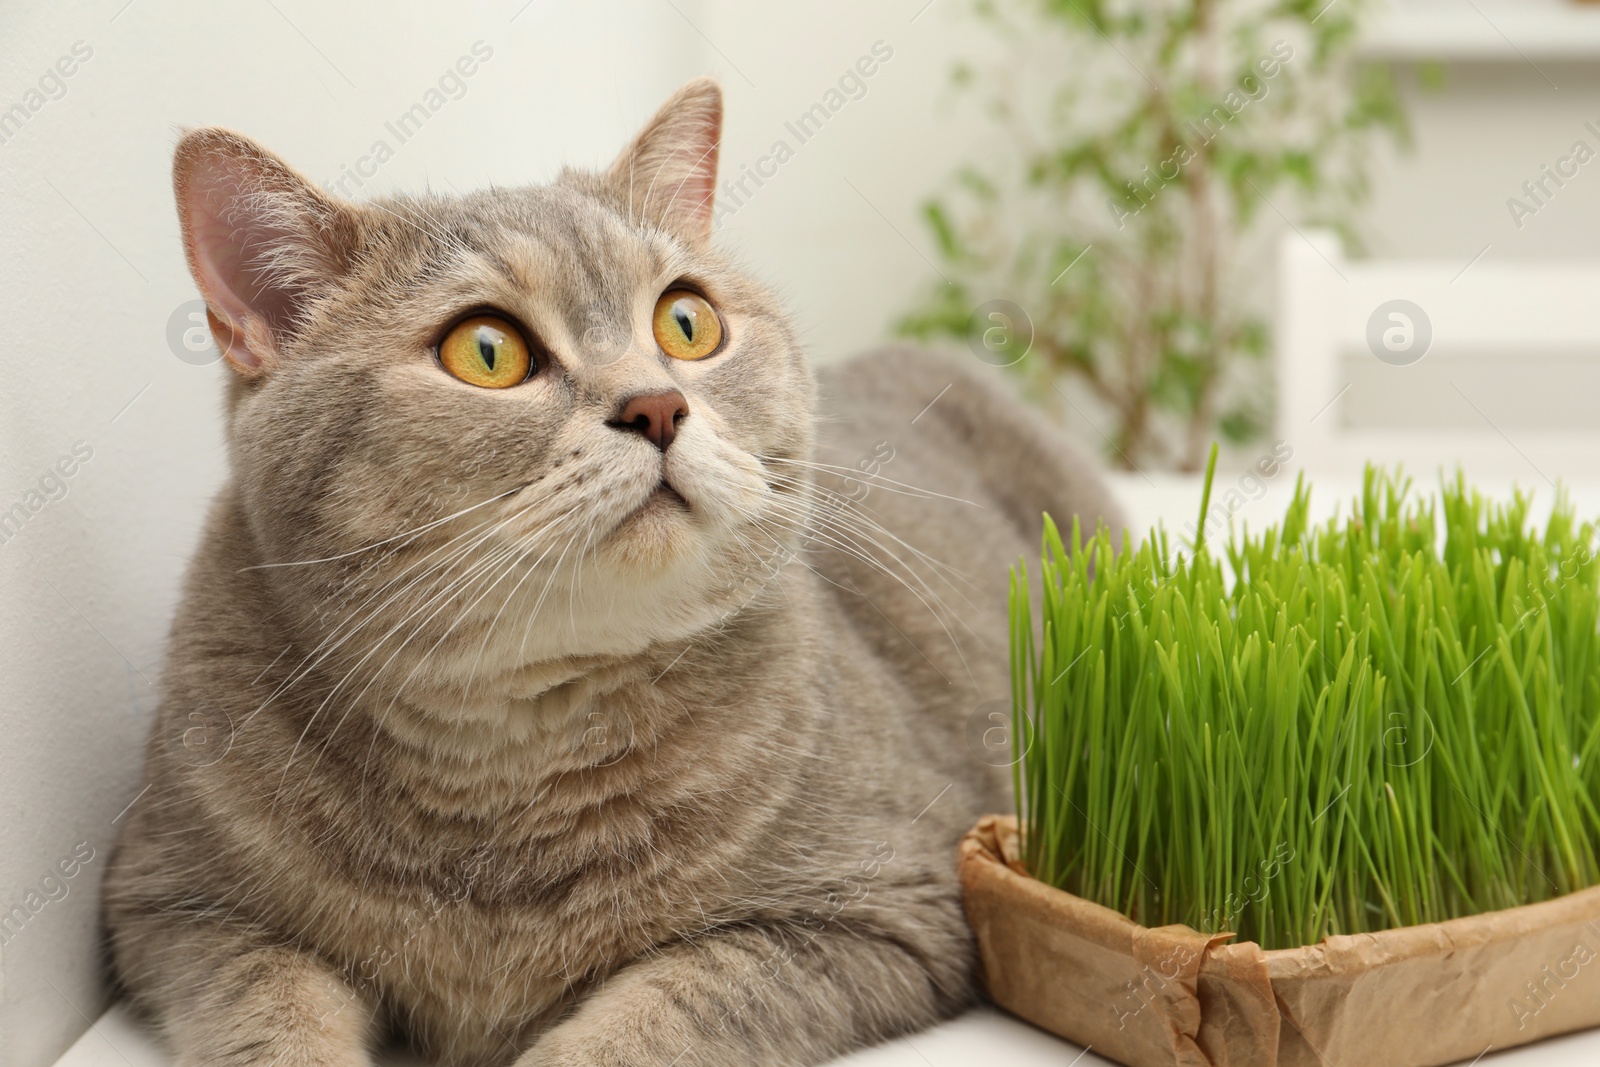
x=545 y=782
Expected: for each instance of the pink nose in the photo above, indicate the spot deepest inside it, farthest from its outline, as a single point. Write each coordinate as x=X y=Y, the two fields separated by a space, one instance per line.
x=655 y=415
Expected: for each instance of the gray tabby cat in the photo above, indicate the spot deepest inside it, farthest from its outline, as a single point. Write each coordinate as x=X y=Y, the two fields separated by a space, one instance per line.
x=558 y=681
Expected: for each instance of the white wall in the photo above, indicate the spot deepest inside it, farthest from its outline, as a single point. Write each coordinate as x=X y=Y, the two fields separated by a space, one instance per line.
x=838 y=229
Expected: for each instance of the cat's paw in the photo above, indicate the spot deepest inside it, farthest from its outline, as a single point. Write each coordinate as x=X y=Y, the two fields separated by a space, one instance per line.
x=623 y=1046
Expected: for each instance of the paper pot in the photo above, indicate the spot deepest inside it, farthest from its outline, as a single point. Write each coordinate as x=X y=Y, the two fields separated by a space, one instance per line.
x=1412 y=997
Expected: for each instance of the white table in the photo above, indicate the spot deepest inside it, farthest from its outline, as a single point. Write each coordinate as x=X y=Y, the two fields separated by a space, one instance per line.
x=981 y=1038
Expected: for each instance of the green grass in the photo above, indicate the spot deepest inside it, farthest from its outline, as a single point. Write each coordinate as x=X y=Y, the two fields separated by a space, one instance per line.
x=1325 y=729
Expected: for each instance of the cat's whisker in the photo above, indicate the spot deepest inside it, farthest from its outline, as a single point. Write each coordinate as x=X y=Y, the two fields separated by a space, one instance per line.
x=450 y=237
x=574 y=588
x=839 y=510
x=354 y=622
x=506 y=561
x=830 y=502
x=844 y=540
x=932 y=598
x=879 y=480
x=781 y=540
x=538 y=605
x=423 y=569
x=508 y=554
x=317 y=713
x=425 y=527
x=489 y=631
x=833 y=520
x=511 y=595
x=840 y=513
x=915 y=585
x=837 y=541
x=440 y=596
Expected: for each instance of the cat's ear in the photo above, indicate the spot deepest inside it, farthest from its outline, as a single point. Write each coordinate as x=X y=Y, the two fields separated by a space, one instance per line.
x=669 y=173
x=261 y=241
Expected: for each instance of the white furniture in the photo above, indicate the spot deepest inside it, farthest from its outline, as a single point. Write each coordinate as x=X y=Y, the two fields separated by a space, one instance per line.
x=1506 y=387
x=1486 y=31
x=981 y=1038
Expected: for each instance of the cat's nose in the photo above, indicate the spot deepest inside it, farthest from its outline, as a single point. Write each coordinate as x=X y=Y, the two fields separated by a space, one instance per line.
x=655 y=415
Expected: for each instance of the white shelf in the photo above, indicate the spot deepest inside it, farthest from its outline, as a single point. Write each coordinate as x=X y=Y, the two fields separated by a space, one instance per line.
x=981 y=1038
x=1489 y=32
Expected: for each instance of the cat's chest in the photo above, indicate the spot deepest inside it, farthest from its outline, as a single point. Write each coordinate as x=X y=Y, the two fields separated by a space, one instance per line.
x=470 y=978
x=514 y=952
x=470 y=892
x=507 y=917
x=502 y=935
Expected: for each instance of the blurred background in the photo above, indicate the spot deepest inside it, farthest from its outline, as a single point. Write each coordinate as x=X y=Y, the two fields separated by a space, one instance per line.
x=1320 y=233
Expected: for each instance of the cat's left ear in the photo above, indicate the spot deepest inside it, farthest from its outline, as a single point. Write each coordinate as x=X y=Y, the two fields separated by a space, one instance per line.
x=669 y=173
x=262 y=242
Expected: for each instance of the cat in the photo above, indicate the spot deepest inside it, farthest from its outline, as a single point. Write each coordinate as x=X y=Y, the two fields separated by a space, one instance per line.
x=566 y=675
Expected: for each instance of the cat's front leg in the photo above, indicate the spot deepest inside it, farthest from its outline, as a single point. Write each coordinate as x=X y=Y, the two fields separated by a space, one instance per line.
x=767 y=995
x=227 y=996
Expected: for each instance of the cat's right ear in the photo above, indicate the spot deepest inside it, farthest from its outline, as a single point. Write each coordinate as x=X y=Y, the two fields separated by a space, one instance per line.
x=261 y=241
x=669 y=173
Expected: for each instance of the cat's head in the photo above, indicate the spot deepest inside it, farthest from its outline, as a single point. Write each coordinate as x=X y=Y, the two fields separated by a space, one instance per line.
x=473 y=432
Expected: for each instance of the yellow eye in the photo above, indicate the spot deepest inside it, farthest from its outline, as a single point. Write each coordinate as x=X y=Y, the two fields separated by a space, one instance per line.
x=685 y=325
x=486 y=350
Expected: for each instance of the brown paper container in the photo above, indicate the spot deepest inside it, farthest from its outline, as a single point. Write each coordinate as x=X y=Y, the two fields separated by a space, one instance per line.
x=1414 y=997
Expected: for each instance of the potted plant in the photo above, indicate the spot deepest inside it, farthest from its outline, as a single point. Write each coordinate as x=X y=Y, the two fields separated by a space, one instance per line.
x=1145 y=157
x=1279 y=802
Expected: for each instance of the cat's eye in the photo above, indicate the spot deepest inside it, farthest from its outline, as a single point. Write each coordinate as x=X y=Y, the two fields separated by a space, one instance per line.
x=486 y=350
x=686 y=325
